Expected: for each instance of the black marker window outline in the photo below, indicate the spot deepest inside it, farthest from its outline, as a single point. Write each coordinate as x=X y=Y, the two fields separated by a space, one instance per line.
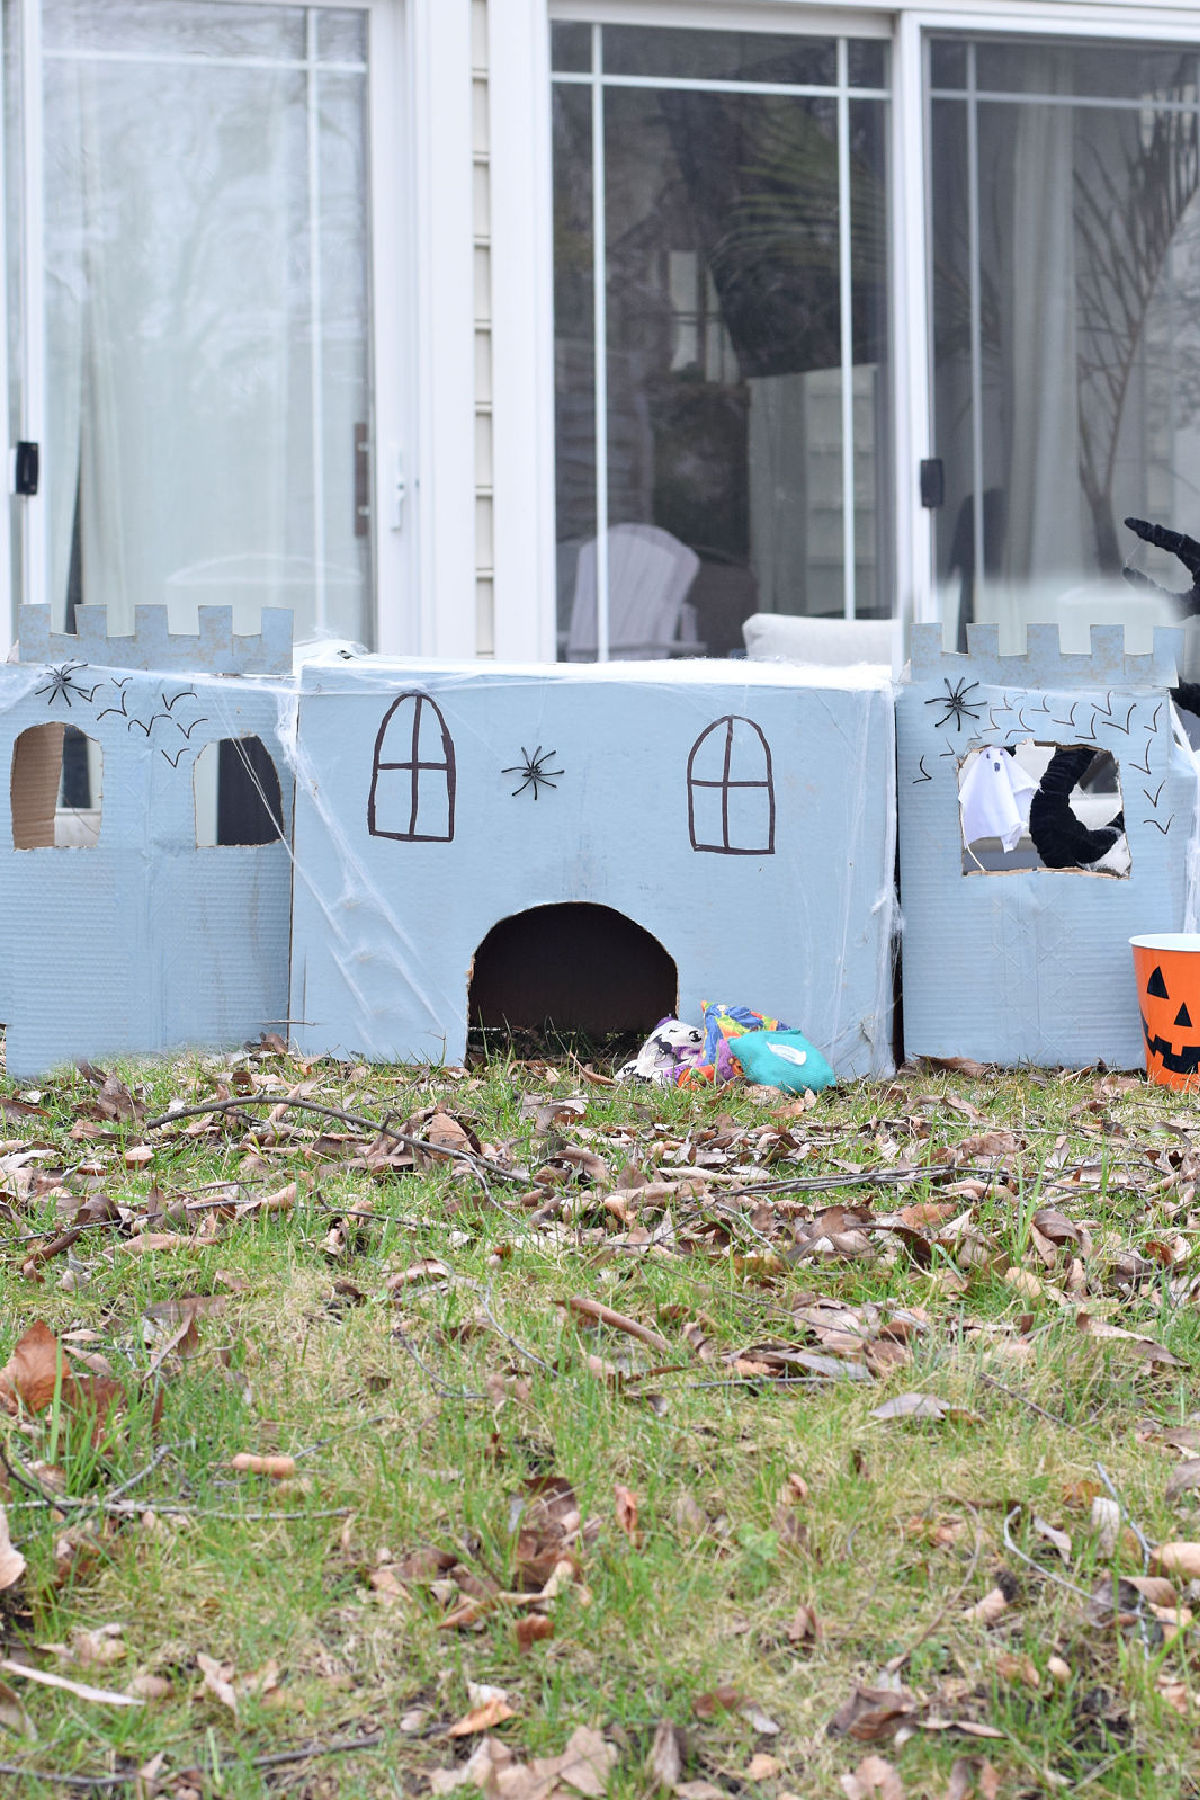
x=732 y=782
x=417 y=769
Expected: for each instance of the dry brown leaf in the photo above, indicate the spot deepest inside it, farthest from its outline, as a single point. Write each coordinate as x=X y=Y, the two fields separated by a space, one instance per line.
x=723 y=1698
x=763 y=1767
x=1011 y=1667
x=104 y=1645
x=533 y=1629
x=973 y=1775
x=493 y=1712
x=218 y=1679
x=912 y=1406
x=12 y=1563
x=1106 y=1523
x=1025 y=1283
x=37 y=1364
x=687 y=1516
x=804 y=1626
x=758 y=1720
x=874 y=1775
x=873 y=1713
x=146 y=1686
x=587 y=1762
x=665 y=1760
x=627 y=1512
x=1185 y=1478
x=13 y=1715
x=987 y=1610
x=1178 y=1557
x=279 y=1468
x=701 y=1790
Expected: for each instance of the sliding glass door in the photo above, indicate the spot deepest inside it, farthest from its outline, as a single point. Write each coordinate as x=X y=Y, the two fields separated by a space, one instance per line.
x=1064 y=236
x=187 y=221
x=723 y=412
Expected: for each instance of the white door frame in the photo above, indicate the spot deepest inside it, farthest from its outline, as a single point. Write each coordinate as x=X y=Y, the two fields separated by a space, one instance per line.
x=523 y=272
x=1172 y=22
x=422 y=423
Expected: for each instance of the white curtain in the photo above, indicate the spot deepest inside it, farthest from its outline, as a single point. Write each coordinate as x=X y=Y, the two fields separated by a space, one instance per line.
x=179 y=319
x=1045 y=527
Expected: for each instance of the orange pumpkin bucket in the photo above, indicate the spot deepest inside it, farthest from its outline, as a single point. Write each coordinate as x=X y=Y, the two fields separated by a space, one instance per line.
x=1167 y=967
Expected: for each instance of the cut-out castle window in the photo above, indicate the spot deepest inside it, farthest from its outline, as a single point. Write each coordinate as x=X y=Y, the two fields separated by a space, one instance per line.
x=238 y=797
x=731 y=791
x=54 y=789
x=1042 y=806
x=413 y=777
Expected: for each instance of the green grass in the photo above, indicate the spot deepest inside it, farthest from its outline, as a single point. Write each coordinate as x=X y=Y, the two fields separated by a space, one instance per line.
x=902 y=1529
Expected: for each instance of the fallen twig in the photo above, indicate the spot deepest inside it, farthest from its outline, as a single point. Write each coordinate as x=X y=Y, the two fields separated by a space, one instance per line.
x=381 y=1129
x=1046 y=1574
x=88 y=1783
x=336 y=1747
x=604 y=1315
x=274 y=1760
x=80 y=1689
x=1024 y=1400
x=442 y=1387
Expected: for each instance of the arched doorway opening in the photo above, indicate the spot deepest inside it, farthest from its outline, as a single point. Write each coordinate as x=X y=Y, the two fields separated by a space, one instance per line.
x=576 y=967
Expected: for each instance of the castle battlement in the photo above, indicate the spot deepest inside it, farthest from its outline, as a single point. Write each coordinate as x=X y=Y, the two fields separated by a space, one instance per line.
x=1045 y=664
x=213 y=650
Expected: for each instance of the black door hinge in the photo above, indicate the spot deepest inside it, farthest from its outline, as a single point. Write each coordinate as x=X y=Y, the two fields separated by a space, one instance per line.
x=933 y=482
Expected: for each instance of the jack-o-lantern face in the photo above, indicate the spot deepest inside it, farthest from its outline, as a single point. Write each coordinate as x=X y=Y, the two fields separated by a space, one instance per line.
x=1167 y=1024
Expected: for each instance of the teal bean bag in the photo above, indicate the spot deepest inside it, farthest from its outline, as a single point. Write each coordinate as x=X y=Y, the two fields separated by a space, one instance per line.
x=782 y=1059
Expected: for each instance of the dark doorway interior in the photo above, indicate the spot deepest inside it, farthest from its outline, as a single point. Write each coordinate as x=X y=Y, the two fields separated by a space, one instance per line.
x=577 y=967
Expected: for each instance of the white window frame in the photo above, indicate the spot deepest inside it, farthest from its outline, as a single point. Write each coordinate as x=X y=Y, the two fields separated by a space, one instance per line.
x=422 y=327
x=525 y=598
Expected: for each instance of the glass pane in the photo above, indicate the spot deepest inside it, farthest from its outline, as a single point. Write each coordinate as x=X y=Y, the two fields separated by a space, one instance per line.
x=343 y=565
x=1084 y=304
x=724 y=365
x=947 y=63
x=870 y=373
x=719 y=55
x=206 y=336
x=183 y=28
x=574 y=370
x=1109 y=71
x=868 y=62
x=342 y=36
x=570 y=47
x=13 y=181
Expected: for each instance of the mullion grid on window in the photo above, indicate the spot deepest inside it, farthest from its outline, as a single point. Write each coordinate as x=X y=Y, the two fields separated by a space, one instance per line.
x=842 y=93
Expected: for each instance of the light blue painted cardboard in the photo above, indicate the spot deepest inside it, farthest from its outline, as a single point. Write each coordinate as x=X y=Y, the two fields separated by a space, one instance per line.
x=385 y=927
x=1035 y=967
x=215 y=649
x=142 y=943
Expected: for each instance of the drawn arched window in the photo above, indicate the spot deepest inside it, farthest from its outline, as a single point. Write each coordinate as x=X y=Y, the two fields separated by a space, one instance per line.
x=731 y=795
x=412 y=781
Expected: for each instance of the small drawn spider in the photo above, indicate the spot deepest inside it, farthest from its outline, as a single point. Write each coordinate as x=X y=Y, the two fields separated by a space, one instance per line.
x=534 y=771
x=958 y=707
x=62 y=684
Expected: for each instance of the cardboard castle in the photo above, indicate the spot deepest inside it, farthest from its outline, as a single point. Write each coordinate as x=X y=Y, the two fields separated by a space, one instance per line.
x=370 y=854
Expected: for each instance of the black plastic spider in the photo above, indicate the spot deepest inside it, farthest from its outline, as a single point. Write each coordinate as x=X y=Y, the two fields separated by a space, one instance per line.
x=958 y=707
x=62 y=684
x=534 y=771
